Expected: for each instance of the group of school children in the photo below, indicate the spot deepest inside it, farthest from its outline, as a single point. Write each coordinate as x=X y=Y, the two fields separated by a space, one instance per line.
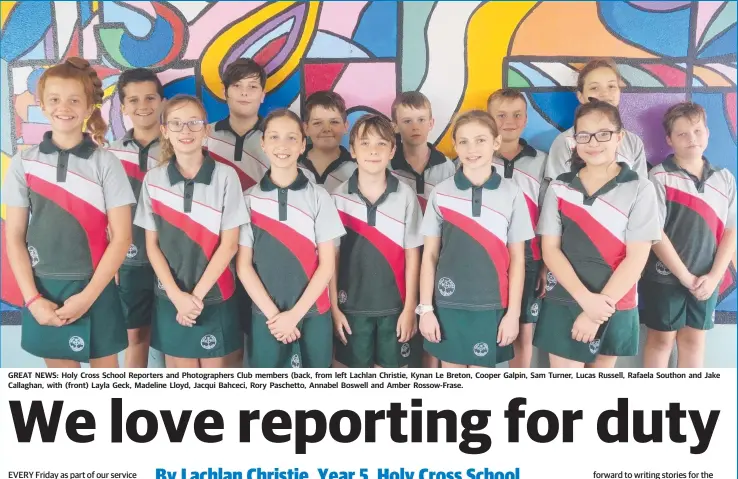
x=205 y=241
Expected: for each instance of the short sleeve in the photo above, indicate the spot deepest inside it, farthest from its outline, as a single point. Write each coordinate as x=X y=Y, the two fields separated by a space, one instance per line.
x=144 y=212
x=520 y=228
x=558 y=155
x=640 y=162
x=433 y=220
x=246 y=232
x=234 y=209
x=328 y=225
x=643 y=222
x=116 y=187
x=413 y=222
x=730 y=221
x=549 y=221
x=660 y=193
x=15 y=188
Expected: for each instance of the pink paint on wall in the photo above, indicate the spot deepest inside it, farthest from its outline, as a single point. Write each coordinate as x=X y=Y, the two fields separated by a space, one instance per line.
x=205 y=29
x=370 y=84
x=705 y=11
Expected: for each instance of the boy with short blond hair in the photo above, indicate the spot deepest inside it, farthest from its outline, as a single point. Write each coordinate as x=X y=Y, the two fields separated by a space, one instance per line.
x=326 y=122
x=519 y=161
x=375 y=290
x=697 y=210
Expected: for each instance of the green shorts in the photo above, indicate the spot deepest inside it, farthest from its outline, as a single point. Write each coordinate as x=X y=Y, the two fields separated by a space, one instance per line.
x=216 y=334
x=531 y=304
x=313 y=350
x=618 y=337
x=467 y=337
x=99 y=333
x=373 y=340
x=670 y=307
x=136 y=290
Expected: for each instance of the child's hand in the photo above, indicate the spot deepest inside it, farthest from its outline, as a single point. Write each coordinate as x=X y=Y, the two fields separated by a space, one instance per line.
x=429 y=327
x=542 y=281
x=407 y=326
x=598 y=307
x=689 y=281
x=340 y=323
x=508 y=330
x=188 y=307
x=704 y=286
x=283 y=326
x=584 y=329
x=44 y=312
x=74 y=307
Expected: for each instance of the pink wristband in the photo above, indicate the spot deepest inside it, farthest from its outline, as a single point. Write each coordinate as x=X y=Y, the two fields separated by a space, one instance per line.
x=30 y=301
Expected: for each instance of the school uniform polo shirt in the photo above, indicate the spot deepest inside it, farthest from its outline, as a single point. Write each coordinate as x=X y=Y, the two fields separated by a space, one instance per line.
x=371 y=273
x=630 y=152
x=526 y=170
x=475 y=223
x=339 y=171
x=242 y=152
x=436 y=170
x=69 y=193
x=595 y=229
x=188 y=216
x=136 y=160
x=694 y=213
x=285 y=227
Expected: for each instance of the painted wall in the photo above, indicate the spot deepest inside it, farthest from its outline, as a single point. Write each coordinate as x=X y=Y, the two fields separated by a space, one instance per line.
x=454 y=52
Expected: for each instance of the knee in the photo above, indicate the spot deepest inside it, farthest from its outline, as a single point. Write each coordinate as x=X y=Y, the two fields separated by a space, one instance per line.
x=660 y=341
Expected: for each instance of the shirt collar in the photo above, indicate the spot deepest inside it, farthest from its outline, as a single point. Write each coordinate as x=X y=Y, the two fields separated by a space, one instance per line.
x=626 y=175
x=399 y=162
x=128 y=138
x=343 y=157
x=526 y=150
x=671 y=166
x=463 y=183
x=266 y=183
x=225 y=125
x=204 y=174
x=83 y=149
x=392 y=183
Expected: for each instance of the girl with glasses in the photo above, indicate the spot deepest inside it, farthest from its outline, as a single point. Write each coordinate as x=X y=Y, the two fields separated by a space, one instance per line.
x=597 y=225
x=191 y=208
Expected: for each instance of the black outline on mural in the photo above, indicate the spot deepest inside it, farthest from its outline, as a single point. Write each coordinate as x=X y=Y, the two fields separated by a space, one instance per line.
x=400 y=88
x=714 y=39
x=537 y=108
x=352 y=43
x=359 y=16
x=630 y=42
x=709 y=24
x=691 y=51
x=670 y=10
x=515 y=34
x=706 y=67
x=398 y=47
x=202 y=12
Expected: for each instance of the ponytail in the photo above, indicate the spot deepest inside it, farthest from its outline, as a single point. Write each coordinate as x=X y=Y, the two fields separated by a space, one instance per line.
x=166 y=150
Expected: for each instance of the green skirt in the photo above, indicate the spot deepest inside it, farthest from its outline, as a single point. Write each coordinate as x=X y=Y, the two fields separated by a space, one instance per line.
x=468 y=337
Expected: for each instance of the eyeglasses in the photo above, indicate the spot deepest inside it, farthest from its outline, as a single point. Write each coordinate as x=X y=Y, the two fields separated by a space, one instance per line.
x=601 y=136
x=193 y=125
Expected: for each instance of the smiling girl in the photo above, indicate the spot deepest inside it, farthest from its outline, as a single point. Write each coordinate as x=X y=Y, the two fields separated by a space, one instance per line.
x=78 y=198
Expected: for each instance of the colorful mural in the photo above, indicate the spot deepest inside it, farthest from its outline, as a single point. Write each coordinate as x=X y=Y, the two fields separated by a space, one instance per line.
x=454 y=52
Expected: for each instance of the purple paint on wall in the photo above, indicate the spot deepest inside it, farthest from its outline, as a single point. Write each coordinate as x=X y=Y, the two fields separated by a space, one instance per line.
x=642 y=114
x=659 y=6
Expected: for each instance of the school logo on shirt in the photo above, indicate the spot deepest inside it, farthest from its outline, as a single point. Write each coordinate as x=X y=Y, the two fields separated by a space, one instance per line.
x=34 y=256
x=295 y=361
x=159 y=284
x=76 y=344
x=481 y=349
x=594 y=346
x=405 y=350
x=662 y=269
x=550 y=281
x=342 y=297
x=208 y=341
x=132 y=251
x=446 y=286
x=534 y=309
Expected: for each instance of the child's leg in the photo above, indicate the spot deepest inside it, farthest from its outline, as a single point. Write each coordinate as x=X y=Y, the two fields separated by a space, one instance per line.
x=559 y=362
x=105 y=362
x=61 y=363
x=602 y=361
x=444 y=364
x=174 y=362
x=137 y=354
x=523 y=346
x=429 y=361
x=658 y=348
x=690 y=348
x=219 y=363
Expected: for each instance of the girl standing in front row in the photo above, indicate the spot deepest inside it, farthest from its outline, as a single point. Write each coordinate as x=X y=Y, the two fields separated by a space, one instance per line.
x=191 y=208
x=597 y=224
x=74 y=190
x=473 y=266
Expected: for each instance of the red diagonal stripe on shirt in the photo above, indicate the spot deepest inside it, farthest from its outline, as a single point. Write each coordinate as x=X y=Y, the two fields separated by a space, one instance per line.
x=246 y=181
x=423 y=202
x=535 y=243
x=494 y=246
x=608 y=245
x=699 y=206
x=392 y=252
x=298 y=245
x=93 y=221
x=134 y=171
x=202 y=236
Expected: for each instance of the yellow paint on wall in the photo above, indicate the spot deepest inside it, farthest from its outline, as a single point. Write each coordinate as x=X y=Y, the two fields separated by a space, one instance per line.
x=211 y=60
x=5 y=9
x=489 y=33
x=4 y=164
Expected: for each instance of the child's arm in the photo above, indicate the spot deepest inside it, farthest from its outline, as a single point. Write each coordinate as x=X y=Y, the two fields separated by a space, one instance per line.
x=431 y=228
x=407 y=323
x=234 y=214
x=597 y=306
x=558 y=156
x=340 y=323
x=250 y=279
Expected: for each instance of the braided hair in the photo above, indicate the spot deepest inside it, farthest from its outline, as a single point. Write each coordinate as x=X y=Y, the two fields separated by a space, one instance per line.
x=80 y=69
